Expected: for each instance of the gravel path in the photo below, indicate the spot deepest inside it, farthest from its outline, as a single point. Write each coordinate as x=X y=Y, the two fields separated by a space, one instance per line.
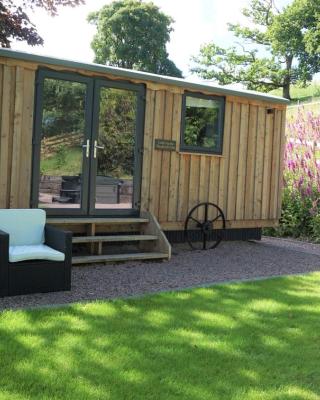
x=230 y=261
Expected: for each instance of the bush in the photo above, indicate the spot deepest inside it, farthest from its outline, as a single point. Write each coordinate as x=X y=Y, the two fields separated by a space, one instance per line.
x=300 y=215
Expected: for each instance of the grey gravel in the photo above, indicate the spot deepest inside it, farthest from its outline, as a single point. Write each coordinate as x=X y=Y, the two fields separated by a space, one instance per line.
x=228 y=262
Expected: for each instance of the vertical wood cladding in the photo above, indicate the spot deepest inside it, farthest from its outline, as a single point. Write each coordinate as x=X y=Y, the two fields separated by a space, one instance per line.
x=245 y=181
x=16 y=121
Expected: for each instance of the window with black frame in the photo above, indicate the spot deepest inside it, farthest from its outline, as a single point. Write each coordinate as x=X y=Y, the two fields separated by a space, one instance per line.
x=202 y=123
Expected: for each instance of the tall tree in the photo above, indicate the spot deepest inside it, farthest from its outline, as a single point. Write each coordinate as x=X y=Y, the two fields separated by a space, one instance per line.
x=16 y=24
x=279 y=48
x=133 y=34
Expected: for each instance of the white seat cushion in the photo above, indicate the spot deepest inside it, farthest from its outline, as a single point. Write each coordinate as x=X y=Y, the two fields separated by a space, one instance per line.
x=34 y=252
x=24 y=226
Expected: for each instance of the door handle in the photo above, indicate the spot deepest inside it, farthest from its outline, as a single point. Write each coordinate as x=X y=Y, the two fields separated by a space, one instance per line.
x=87 y=147
x=96 y=146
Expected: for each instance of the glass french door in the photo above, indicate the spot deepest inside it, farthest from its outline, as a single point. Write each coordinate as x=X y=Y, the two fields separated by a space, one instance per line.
x=87 y=145
x=116 y=145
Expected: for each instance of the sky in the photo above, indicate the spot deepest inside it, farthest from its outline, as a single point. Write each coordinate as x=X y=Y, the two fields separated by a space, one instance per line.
x=196 y=22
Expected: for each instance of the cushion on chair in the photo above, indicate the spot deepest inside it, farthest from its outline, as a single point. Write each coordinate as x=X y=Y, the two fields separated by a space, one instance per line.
x=25 y=226
x=34 y=252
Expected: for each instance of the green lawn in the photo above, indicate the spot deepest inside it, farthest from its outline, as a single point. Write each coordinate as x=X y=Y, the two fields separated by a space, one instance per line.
x=292 y=111
x=256 y=340
x=69 y=164
x=308 y=93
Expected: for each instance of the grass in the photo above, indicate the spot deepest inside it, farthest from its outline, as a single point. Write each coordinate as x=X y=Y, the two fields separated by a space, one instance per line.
x=307 y=94
x=69 y=164
x=254 y=340
x=292 y=111
x=308 y=98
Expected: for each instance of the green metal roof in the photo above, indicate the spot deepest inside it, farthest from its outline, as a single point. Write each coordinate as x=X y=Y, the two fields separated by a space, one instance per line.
x=144 y=76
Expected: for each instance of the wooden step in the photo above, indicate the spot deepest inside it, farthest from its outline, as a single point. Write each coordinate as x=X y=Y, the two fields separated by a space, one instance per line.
x=113 y=238
x=105 y=221
x=117 y=257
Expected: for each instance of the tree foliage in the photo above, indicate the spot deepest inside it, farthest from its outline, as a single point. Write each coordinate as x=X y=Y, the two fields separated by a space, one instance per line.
x=63 y=107
x=117 y=120
x=16 y=24
x=133 y=34
x=279 y=48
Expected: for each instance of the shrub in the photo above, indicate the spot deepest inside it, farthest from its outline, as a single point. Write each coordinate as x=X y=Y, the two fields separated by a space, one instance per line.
x=300 y=216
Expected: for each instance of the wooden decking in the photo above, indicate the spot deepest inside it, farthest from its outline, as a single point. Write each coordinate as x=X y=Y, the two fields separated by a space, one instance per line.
x=117 y=257
x=100 y=221
x=113 y=238
x=143 y=233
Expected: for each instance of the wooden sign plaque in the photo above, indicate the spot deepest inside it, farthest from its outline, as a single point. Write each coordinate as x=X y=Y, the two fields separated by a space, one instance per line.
x=164 y=144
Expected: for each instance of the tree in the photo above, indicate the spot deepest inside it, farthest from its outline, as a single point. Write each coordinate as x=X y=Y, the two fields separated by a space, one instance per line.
x=133 y=34
x=117 y=119
x=63 y=107
x=281 y=47
x=15 y=23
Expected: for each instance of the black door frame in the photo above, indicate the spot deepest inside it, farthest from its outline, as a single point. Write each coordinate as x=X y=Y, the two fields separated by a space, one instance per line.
x=42 y=74
x=91 y=131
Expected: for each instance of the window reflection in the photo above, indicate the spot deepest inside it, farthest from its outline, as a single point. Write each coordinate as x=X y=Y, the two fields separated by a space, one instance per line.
x=203 y=124
x=116 y=136
x=62 y=135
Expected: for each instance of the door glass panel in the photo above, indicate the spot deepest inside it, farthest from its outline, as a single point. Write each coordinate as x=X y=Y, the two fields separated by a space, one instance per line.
x=115 y=149
x=62 y=136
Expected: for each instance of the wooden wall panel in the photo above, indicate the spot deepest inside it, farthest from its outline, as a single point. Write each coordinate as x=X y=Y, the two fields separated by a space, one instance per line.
x=281 y=162
x=174 y=160
x=230 y=211
x=204 y=182
x=258 y=176
x=224 y=160
x=267 y=164
x=242 y=161
x=165 y=161
x=183 y=193
x=17 y=104
x=17 y=138
x=6 y=133
x=275 y=165
x=147 y=149
x=194 y=181
x=156 y=167
x=25 y=174
x=213 y=183
x=251 y=160
x=244 y=181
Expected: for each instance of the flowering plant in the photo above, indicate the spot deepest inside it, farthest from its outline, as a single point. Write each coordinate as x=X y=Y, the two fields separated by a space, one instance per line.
x=301 y=198
x=302 y=154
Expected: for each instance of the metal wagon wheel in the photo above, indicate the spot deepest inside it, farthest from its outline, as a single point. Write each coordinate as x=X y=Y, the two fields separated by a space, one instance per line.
x=203 y=228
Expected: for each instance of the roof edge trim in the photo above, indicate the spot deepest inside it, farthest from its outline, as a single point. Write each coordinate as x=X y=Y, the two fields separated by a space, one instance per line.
x=144 y=76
